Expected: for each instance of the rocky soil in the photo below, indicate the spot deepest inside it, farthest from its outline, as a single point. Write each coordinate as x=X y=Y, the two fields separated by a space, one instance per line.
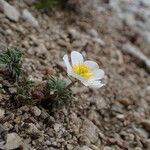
x=114 y=33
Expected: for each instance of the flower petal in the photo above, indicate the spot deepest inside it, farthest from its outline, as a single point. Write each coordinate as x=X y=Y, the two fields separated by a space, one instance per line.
x=76 y=58
x=67 y=63
x=81 y=79
x=91 y=64
x=98 y=74
x=96 y=84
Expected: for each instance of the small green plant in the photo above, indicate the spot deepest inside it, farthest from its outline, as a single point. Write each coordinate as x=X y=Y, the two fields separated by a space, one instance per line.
x=23 y=94
x=54 y=92
x=11 y=60
x=24 y=87
x=55 y=89
x=44 y=4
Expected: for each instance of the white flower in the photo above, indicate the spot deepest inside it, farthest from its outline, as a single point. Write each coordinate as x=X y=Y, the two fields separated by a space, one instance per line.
x=87 y=72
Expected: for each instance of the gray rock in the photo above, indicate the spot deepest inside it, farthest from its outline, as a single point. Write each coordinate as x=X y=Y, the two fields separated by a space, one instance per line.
x=24 y=108
x=146 y=36
x=141 y=132
x=2 y=112
x=129 y=19
x=100 y=103
x=147 y=143
x=74 y=33
x=48 y=143
x=57 y=127
x=44 y=114
x=11 y=12
x=146 y=3
x=84 y=148
x=120 y=116
x=69 y=146
x=147 y=89
x=148 y=25
x=29 y=18
x=138 y=148
x=99 y=41
x=107 y=148
x=90 y=130
x=9 y=32
x=93 y=33
x=146 y=124
x=36 y=111
x=31 y=128
x=2 y=128
x=8 y=126
x=117 y=108
x=94 y=117
x=12 y=90
x=13 y=141
x=127 y=136
x=114 y=5
x=93 y=147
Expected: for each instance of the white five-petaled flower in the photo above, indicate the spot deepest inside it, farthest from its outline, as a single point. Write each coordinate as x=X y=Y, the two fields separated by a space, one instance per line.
x=87 y=72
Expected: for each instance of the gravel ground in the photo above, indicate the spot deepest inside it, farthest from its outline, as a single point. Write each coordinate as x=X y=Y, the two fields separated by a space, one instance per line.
x=115 y=117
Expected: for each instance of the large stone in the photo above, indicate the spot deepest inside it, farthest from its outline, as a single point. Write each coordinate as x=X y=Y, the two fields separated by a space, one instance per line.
x=90 y=131
x=36 y=111
x=14 y=141
x=29 y=18
x=11 y=12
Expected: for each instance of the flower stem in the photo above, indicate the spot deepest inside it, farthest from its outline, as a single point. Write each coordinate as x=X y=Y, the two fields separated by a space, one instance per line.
x=58 y=93
x=70 y=85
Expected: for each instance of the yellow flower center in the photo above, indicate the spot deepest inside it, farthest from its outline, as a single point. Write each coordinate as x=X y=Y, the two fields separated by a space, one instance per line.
x=82 y=70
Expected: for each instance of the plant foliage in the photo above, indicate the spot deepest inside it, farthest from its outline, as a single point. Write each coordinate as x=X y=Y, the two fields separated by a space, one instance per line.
x=44 y=4
x=11 y=59
x=61 y=95
x=24 y=87
x=23 y=94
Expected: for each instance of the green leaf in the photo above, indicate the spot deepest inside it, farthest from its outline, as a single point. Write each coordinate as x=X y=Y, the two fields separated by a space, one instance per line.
x=11 y=58
x=24 y=88
x=23 y=95
x=44 y=4
x=56 y=85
